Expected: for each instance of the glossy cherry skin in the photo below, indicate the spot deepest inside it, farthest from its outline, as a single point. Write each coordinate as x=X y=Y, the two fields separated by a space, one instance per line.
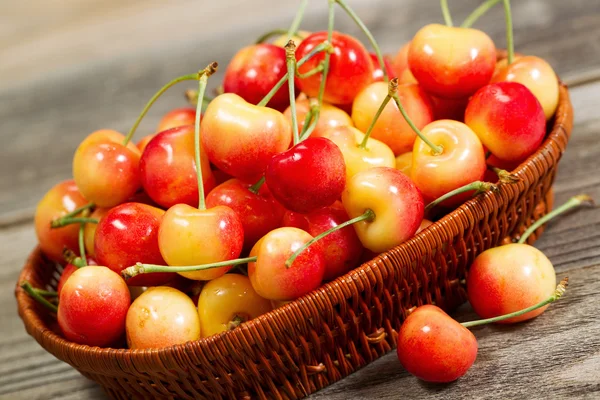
x=63 y=198
x=391 y=128
x=93 y=305
x=68 y=271
x=161 y=317
x=143 y=142
x=241 y=138
x=272 y=279
x=330 y=117
x=434 y=347
x=106 y=171
x=188 y=236
x=404 y=163
x=378 y=72
x=376 y=154
x=508 y=119
x=168 y=168
x=461 y=162
x=396 y=201
x=259 y=212
x=89 y=231
x=177 y=117
x=400 y=60
x=227 y=298
x=128 y=234
x=342 y=249
x=510 y=278
x=308 y=176
x=253 y=72
x=350 y=67
x=451 y=62
x=536 y=74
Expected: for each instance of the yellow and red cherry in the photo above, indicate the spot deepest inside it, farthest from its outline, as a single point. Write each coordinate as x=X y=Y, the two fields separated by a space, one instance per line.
x=391 y=128
x=298 y=37
x=228 y=301
x=127 y=234
x=394 y=199
x=378 y=75
x=68 y=271
x=60 y=200
x=404 y=163
x=357 y=158
x=434 y=347
x=106 y=171
x=536 y=74
x=161 y=317
x=175 y=118
x=241 y=138
x=508 y=119
x=330 y=116
x=269 y=274
x=253 y=72
x=89 y=232
x=93 y=306
x=258 y=211
x=168 y=169
x=342 y=249
x=407 y=77
x=143 y=142
x=350 y=68
x=451 y=62
x=310 y=175
x=400 y=61
x=460 y=162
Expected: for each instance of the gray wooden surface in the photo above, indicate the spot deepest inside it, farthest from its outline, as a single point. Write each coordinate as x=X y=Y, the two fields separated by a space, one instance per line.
x=69 y=67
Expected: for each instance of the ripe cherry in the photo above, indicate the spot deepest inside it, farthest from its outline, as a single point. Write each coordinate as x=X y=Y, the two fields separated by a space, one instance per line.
x=330 y=116
x=378 y=72
x=89 y=233
x=175 y=118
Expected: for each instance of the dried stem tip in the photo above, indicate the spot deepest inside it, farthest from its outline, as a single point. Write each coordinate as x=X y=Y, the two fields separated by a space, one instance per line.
x=392 y=87
x=290 y=50
x=561 y=288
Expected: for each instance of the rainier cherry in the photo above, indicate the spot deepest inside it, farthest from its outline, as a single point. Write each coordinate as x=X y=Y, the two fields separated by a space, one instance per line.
x=175 y=118
x=329 y=117
x=377 y=71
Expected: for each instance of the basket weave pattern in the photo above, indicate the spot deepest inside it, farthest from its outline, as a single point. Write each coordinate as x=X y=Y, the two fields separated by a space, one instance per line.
x=328 y=334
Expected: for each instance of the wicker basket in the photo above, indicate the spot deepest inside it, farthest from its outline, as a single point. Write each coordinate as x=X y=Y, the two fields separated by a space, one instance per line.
x=328 y=334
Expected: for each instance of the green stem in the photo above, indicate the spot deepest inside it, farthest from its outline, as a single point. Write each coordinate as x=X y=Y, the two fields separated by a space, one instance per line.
x=72 y=214
x=392 y=87
x=573 y=202
x=309 y=122
x=264 y=37
x=314 y=71
x=256 y=187
x=478 y=12
x=330 y=23
x=82 y=243
x=59 y=223
x=71 y=258
x=446 y=12
x=290 y=60
x=367 y=33
x=558 y=293
x=478 y=186
x=189 y=77
x=434 y=148
x=369 y=215
x=297 y=20
x=191 y=96
x=38 y=297
x=140 y=268
x=510 y=46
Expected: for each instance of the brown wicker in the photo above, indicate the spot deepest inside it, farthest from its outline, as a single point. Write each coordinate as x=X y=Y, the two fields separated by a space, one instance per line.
x=335 y=330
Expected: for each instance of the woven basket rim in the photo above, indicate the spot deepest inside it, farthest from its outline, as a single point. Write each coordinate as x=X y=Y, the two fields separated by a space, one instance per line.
x=440 y=231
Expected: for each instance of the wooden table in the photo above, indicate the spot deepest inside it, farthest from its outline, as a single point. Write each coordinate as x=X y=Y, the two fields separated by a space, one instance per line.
x=69 y=68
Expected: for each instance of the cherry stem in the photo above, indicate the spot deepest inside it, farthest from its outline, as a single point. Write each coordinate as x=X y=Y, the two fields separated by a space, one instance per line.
x=558 y=293
x=368 y=34
x=573 y=202
x=312 y=72
x=506 y=177
x=191 y=97
x=256 y=187
x=59 y=223
x=73 y=213
x=46 y=293
x=434 y=148
x=478 y=186
x=290 y=60
x=478 y=12
x=297 y=20
x=26 y=286
x=392 y=87
x=446 y=12
x=510 y=45
x=369 y=215
x=264 y=37
x=309 y=122
x=235 y=322
x=205 y=73
x=189 y=77
x=71 y=258
x=140 y=268
x=82 y=243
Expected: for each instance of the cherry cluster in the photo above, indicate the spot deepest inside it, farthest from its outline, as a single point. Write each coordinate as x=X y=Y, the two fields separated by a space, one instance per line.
x=315 y=155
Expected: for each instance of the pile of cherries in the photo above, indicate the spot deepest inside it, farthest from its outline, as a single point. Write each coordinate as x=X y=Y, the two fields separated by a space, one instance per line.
x=314 y=156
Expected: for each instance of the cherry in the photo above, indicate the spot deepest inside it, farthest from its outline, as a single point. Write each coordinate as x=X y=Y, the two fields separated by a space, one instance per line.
x=128 y=233
x=298 y=37
x=89 y=232
x=400 y=61
x=350 y=68
x=93 y=306
x=310 y=175
x=378 y=75
x=241 y=138
x=161 y=317
x=62 y=200
x=404 y=162
x=451 y=62
x=449 y=108
x=330 y=116
x=342 y=249
x=228 y=301
x=508 y=119
x=176 y=118
x=143 y=142
x=68 y=271
x=105 y=170
x=254 y=70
